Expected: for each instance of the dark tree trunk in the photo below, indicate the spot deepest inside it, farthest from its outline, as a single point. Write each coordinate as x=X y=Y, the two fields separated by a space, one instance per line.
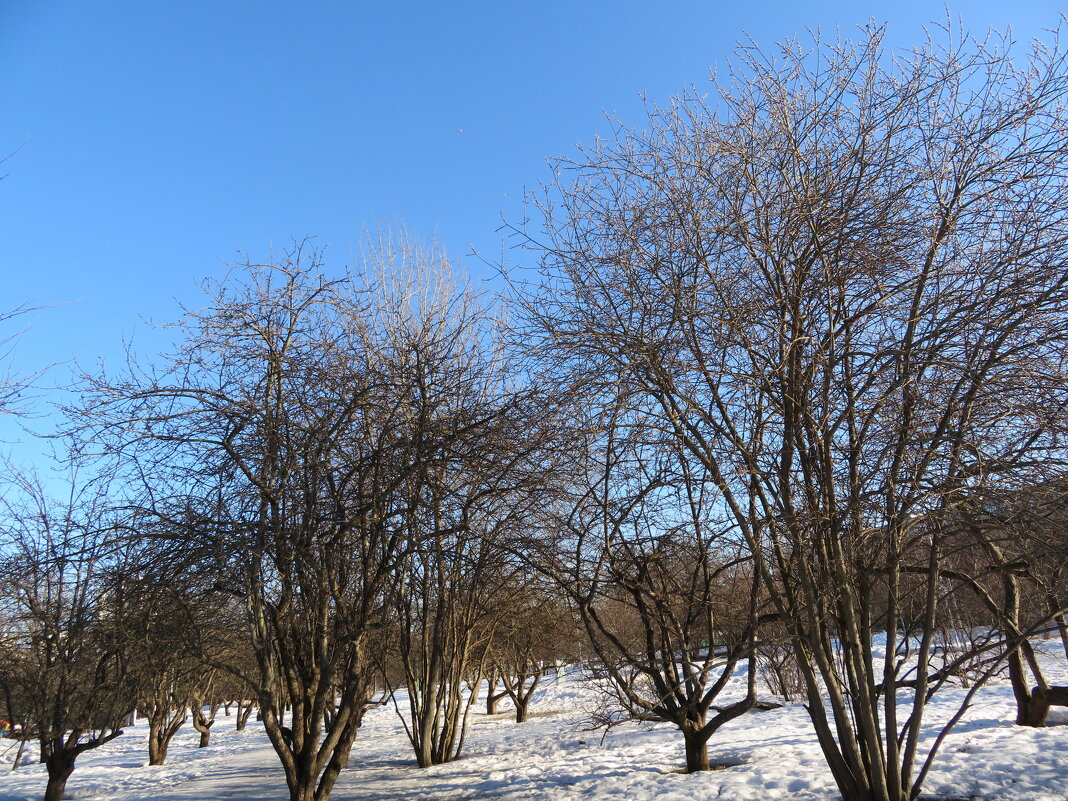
x=492 y=697
x=1026 y=712
x=1041 y=699
x=60 y=766
x=1018 y=681
x=203 y=723
x=243 y=714
x=696 y=752
x=18 y=754
x=302 y=792
x=157 y=749
x=1059 y=620
x=307 y=783
x=161 y=729
x=520 y=692
x=311 y=761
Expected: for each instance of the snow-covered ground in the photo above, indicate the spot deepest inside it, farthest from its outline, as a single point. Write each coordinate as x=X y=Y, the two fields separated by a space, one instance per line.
x=556 y=756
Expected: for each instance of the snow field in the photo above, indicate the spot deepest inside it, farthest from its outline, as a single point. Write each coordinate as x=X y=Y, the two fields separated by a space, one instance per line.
x=555 y=756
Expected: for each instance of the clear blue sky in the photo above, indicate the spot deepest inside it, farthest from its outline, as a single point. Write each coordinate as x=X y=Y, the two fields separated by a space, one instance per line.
x=157 y=140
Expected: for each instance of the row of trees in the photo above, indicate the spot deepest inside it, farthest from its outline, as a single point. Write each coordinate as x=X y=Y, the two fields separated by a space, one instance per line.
x=317 y=492
x=791 y=376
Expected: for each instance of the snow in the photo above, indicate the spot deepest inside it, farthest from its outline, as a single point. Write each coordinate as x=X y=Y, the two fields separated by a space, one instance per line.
x=555 y=756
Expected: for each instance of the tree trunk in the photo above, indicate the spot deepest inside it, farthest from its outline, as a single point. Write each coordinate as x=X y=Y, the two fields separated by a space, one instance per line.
x=1058 y=619
x=1034 y=714
x=161 y=729
x=243 y=714
x=491 y=698
x=18 y=754
x=157 y=748
x=307 y=778
x=203 y=723
x=303 y=791
x=60 y=767
x=696 y=752
x=521 y=693
x=424 y=757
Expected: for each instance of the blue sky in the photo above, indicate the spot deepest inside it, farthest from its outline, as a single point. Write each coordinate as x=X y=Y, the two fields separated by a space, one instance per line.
x=157 y=141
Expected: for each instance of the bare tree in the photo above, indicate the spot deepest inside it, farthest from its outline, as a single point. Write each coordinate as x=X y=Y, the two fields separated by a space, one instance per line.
x=536 y=632
x=1018 y=581
x=159 y=632
x=222 y=648
x=463 y=499
x=64 y=673
x=203 y=694
x=166 y=686
x=840 y=287
x=224 y=656
x=13 y=385
x=663 y=587
x=444 y=616
x=277 y=448
x=273 y=442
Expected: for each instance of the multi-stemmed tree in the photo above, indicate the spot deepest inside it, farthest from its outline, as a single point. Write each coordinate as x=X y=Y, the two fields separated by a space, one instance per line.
x=662 y=585
x=65 y=672
x=477 y=480
x=297 y=449
x=273 y=442
x=838 y=288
